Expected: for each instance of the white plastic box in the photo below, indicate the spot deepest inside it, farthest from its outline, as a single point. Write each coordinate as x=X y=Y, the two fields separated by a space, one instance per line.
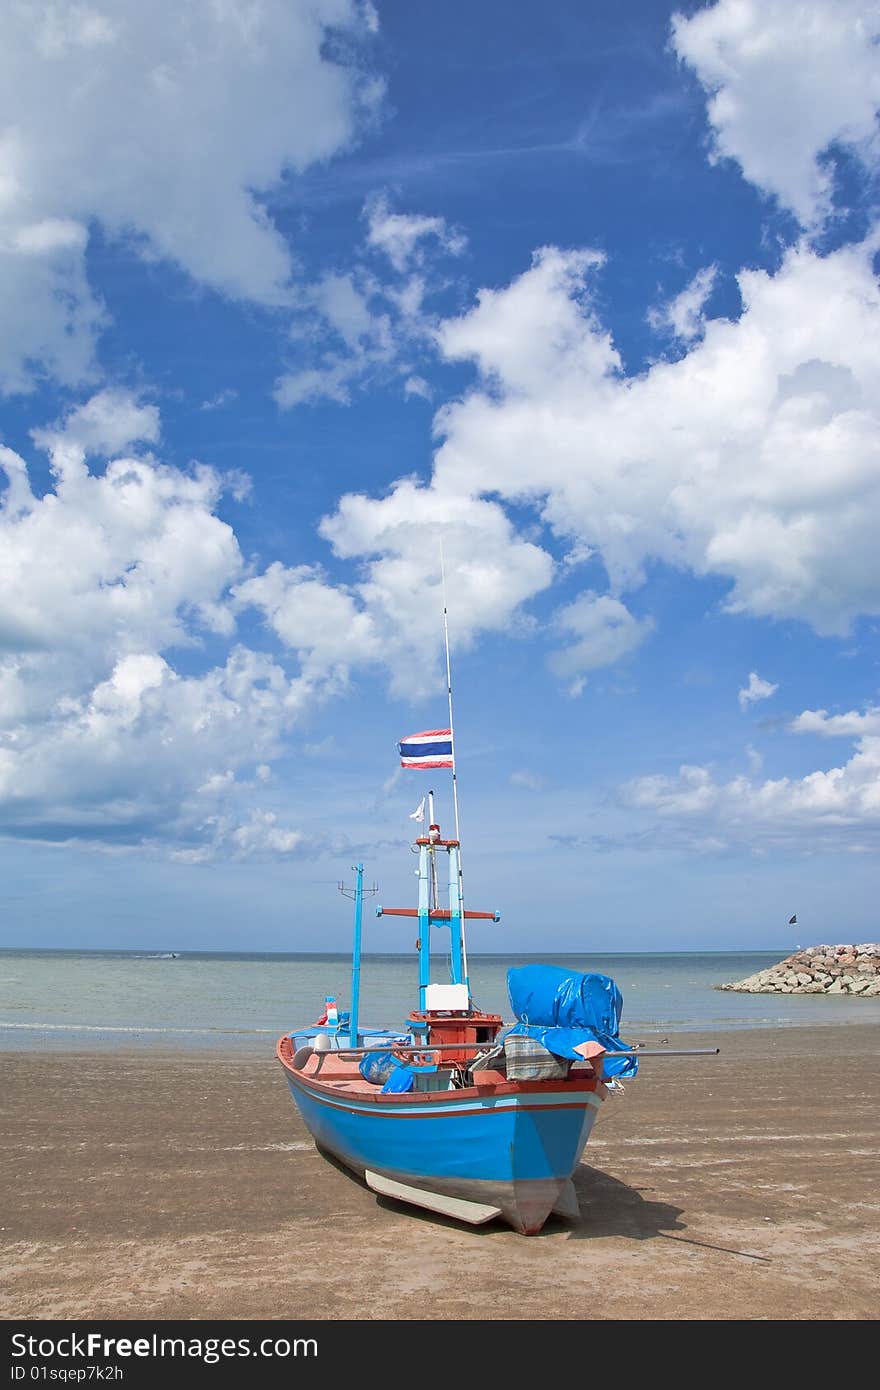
x=447 y=997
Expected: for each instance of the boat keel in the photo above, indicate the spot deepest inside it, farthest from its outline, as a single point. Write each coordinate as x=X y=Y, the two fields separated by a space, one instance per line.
x=474 y=1213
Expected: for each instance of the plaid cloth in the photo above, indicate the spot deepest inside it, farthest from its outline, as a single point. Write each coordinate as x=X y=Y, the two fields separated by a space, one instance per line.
x=529 y=1060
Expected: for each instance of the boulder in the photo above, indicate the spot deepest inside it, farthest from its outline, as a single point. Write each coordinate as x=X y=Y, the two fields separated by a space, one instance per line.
x=823 y=969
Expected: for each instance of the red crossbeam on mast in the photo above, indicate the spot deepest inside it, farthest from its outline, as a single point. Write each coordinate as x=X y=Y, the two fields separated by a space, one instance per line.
x=437 y=914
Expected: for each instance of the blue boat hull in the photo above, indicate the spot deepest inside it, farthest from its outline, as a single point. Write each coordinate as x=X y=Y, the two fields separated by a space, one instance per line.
x=516 y=1152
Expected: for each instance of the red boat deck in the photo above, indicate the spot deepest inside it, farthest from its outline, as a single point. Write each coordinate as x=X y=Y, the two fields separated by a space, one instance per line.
x=339 y=1074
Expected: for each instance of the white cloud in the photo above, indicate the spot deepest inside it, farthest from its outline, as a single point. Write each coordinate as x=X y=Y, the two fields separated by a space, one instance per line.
x=490 y=569
x=837 y=802
x=605 y=631
x=828 y=806
x=102 y=739
x=850 y=725
x=345 y=325
x=541 y=325
x=222 y=398
x=529 y=780
x=51 y=318
x=683 y=315
x=357 y=327
x=757 y=689
x=785 y=81
x=114 y=728
x=106 y=423
x=753 y=457
x=112 y=562
x=417 y=386
x=166 y=124
x=322 y=622
x=400 y=235
x=329 y=382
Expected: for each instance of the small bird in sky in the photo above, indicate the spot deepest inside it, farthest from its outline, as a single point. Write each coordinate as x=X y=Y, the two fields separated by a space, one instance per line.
x=792 y=920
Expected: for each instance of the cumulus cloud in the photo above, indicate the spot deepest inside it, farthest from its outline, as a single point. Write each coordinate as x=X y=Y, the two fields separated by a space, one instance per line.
x=754 y=457
x=784 y=84
x=115 y=729
x=167 y=124
x=604 y=632
x=119 y=560
x=757 y=689
x=103 y=736
x=51 y=316
x=401 y=235
x=322 y=622
x=683 y=315
x=837 y=805
x=105 y=424
x=832 y=806
x=396 y=539
x=849 y=725
x=542 y=324
x=392 y=616
x=359 y=326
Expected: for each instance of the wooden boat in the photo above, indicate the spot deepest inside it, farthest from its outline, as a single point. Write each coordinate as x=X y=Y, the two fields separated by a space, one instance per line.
x=449 y=1113
x=479 y=1132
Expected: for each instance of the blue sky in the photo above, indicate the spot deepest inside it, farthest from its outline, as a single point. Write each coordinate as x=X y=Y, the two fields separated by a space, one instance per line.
x=291 y=291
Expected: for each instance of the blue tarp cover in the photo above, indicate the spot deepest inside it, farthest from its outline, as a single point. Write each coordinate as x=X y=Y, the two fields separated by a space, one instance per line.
x=377 y=1066
x=387 y=1071
x=401 y=1079
x=561 y=1008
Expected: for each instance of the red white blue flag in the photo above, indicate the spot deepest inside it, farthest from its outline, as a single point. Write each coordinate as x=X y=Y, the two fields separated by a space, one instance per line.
x=431 y=748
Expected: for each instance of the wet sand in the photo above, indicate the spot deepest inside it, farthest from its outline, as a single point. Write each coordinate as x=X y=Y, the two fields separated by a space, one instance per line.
x=185 y=1186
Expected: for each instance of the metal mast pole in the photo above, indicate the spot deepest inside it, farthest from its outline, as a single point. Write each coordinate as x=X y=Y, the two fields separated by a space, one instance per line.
x=356 y=954
x=454 y=776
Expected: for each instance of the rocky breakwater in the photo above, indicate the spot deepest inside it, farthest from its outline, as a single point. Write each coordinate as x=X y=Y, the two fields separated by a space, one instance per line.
x=820 y=970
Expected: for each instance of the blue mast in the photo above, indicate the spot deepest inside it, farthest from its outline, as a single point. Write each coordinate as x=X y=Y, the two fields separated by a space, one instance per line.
x=359 y=893
x=356 y=954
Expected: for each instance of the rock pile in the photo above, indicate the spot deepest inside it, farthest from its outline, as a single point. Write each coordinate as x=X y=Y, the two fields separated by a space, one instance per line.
x=820 y=970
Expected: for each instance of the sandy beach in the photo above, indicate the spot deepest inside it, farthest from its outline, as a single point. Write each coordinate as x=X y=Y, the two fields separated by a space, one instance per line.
x=160 y=1186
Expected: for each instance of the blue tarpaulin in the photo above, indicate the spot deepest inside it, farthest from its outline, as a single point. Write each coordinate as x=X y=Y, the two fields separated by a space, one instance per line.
x=563 y=1008
x=401 y=1079
x=387 y=1071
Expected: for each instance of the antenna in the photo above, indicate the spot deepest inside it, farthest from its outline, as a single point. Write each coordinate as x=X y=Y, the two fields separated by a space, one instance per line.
x=352 y=892
x=357 y=893
x=454 y=770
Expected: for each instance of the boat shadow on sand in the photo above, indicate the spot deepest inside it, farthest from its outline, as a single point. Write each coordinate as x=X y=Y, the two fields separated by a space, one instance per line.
x=608 y=1207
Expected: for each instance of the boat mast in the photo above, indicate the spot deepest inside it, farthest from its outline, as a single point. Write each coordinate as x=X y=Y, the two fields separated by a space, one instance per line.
x=460 y=885
x=359 y=893
x=356 y=954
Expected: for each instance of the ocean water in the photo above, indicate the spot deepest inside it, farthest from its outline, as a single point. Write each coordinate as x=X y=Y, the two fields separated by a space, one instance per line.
x=51 y=1000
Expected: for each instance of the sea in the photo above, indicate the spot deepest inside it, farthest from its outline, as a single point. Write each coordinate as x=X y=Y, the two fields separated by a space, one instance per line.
x=244 y=1001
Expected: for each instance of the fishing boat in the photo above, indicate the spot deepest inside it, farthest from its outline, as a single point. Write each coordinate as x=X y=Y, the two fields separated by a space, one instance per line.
x=453 y=1112
x=441 y=1113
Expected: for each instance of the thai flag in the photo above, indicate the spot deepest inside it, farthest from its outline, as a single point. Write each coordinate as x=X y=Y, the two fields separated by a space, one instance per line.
x=431 y=748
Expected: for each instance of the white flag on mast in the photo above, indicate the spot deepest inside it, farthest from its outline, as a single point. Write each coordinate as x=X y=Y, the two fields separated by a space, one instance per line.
x=419 y=812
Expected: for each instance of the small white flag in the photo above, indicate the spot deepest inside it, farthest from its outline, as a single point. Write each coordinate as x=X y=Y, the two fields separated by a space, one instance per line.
x=419 y=812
